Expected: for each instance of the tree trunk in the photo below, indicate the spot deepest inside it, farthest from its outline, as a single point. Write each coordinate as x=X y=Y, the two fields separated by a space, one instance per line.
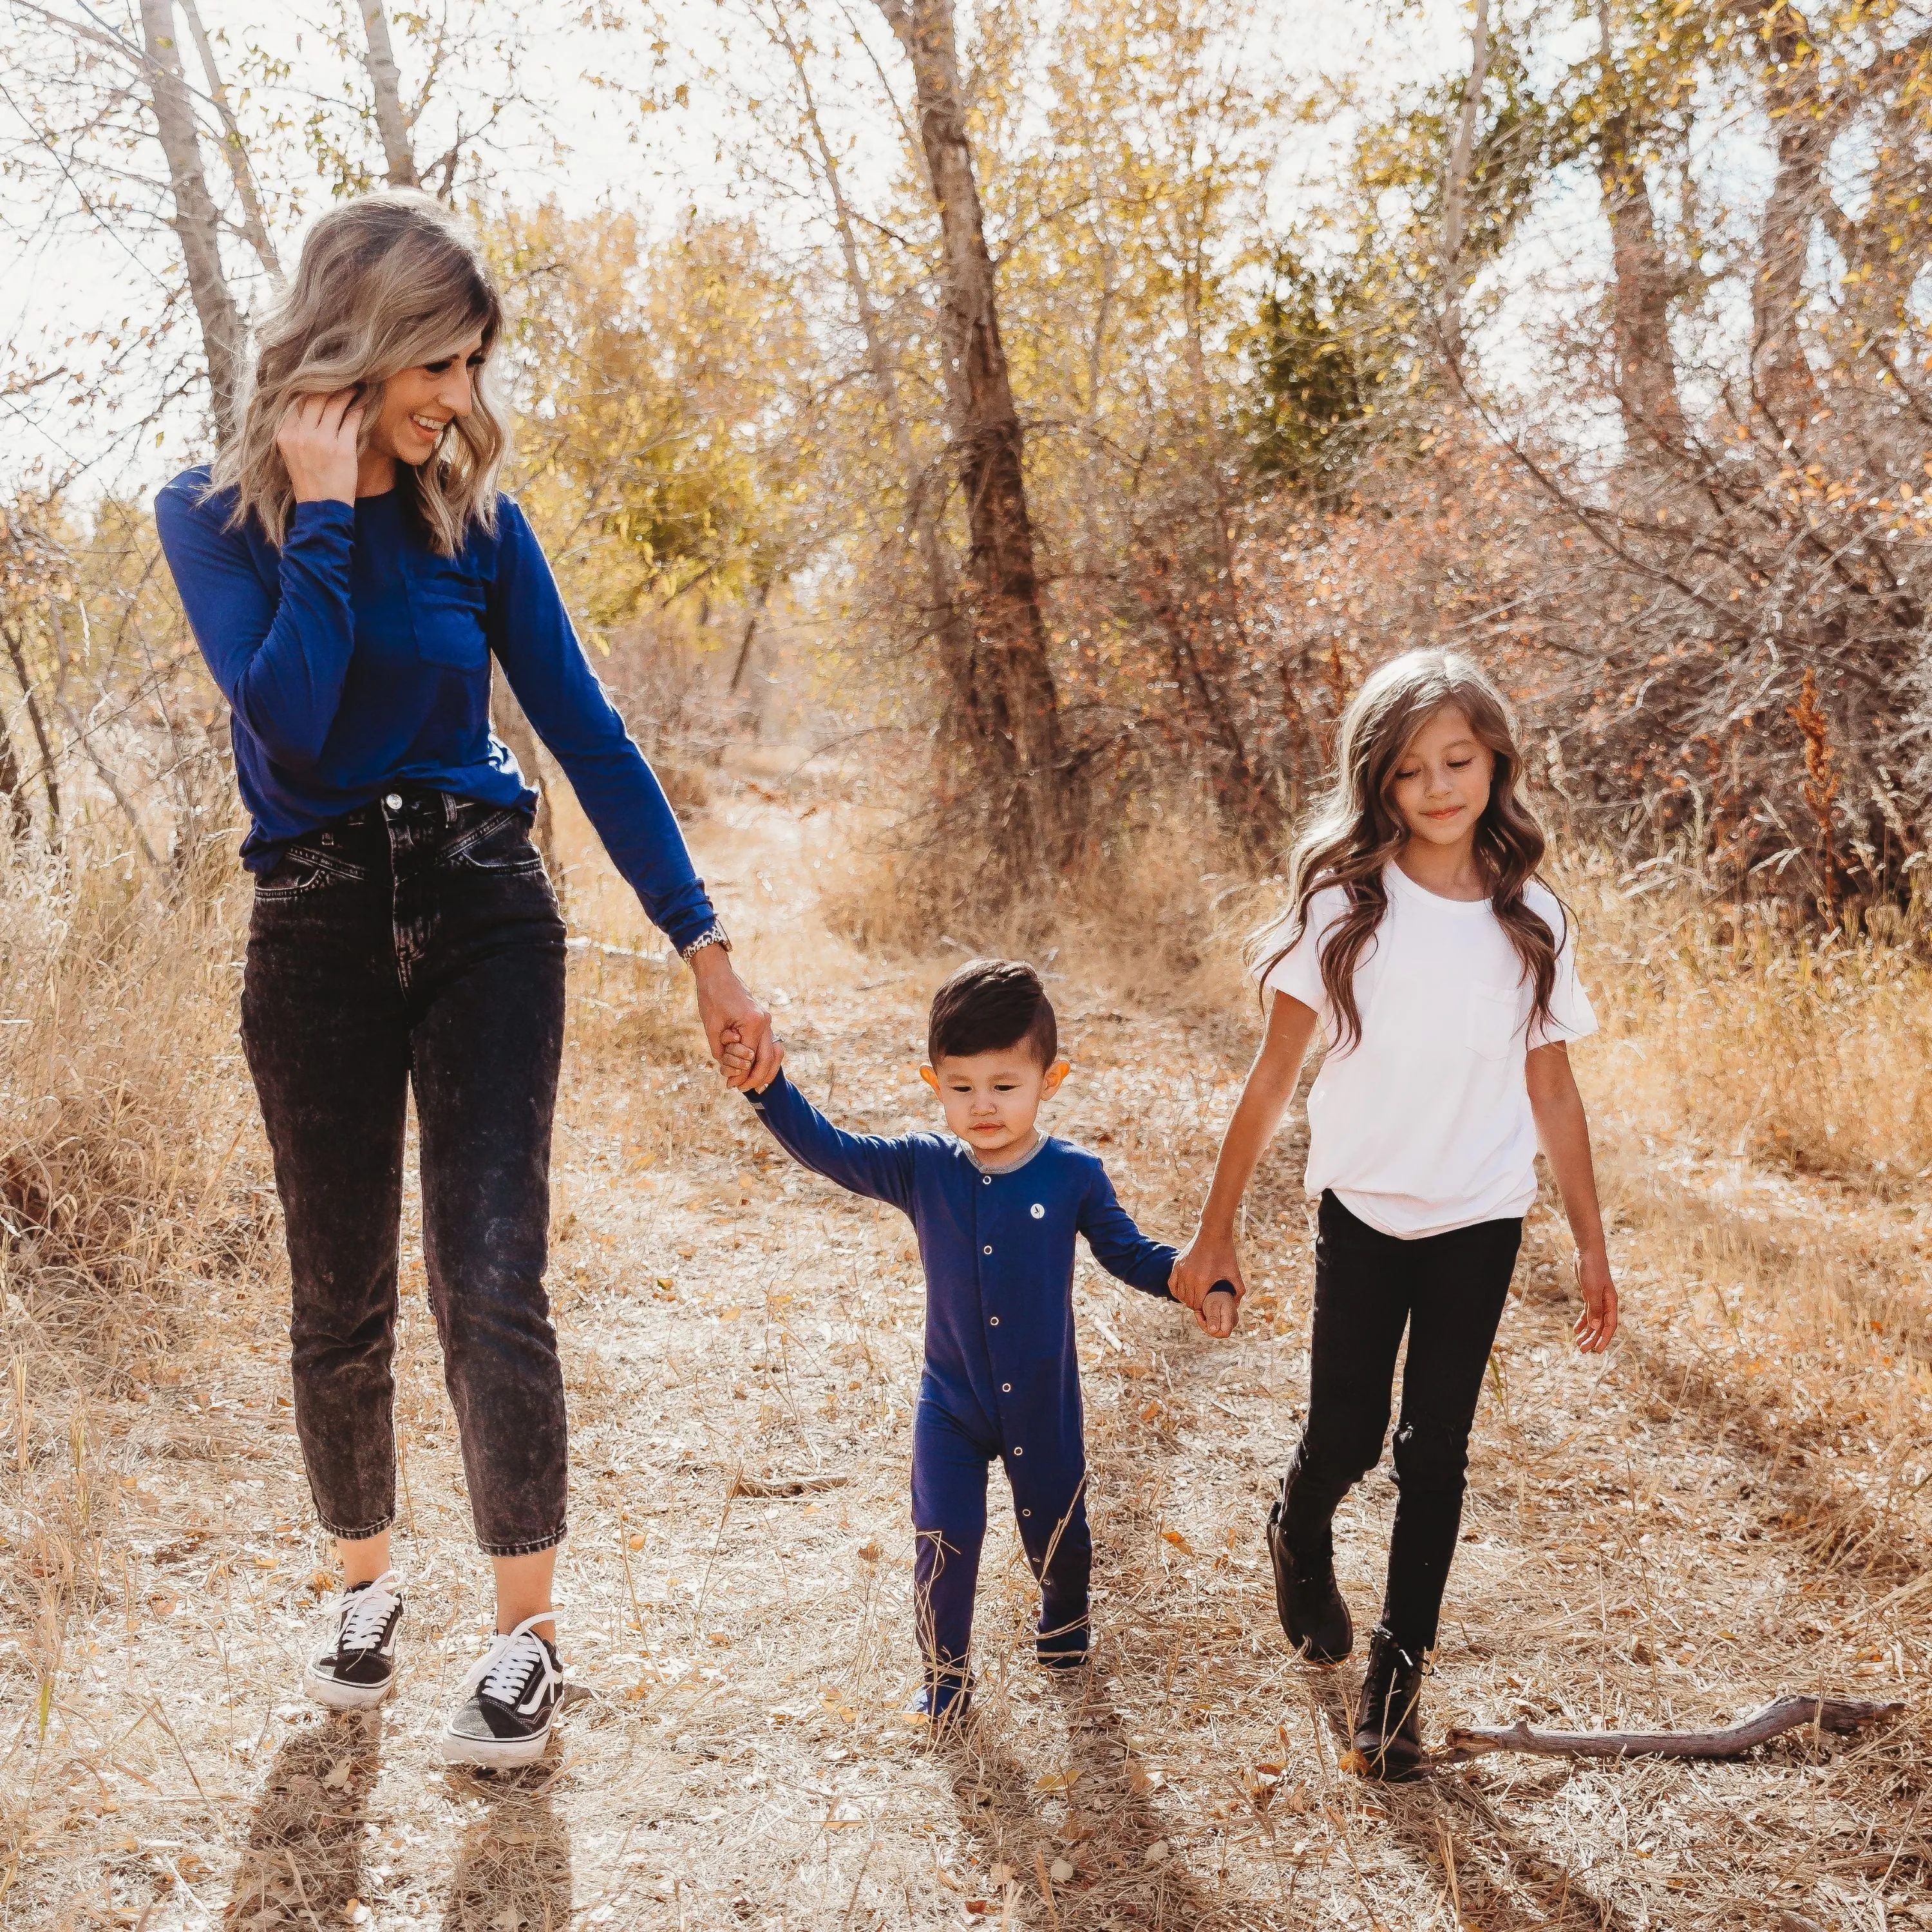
x=1011 y=710
x=386 y=82
x=1782 y=382
x=945 y=620
x=12 y=788
x=234 y=149
x=194 y=219
x=1456 y=192
x=1646 y=371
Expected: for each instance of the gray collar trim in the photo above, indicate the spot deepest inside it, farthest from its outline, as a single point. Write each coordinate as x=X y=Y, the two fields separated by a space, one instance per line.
x=1032 y=1154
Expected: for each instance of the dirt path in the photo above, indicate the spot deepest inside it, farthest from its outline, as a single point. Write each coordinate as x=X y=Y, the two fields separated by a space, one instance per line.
x=1628 y=1555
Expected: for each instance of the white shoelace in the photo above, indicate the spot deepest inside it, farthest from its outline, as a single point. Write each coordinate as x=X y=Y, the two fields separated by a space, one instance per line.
x=364 y=1613
x=504 y=1672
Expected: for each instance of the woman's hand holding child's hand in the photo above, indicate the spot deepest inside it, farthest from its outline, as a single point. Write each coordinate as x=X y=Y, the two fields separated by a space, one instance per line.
x=1598 y=1322
x=1206 y=1261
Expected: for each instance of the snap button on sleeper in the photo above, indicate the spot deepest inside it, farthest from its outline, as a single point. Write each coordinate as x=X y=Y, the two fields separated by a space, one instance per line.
x=1026 y=1512
x=986 y=1251
x=1038 y=1212
x=1006 y=1388
x=1017 y=1450
x=986 y=1180
x=394 y=801
x=993 y=1320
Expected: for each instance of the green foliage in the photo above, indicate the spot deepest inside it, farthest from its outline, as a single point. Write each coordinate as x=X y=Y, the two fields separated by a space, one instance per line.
x=1318 y=371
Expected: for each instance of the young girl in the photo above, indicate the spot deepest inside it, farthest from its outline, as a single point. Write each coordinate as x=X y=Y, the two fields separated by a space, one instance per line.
x=1443 y=975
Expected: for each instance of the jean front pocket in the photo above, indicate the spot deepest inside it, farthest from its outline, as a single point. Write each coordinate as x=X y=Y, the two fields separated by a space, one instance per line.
x=1490 y=1021
x=499 y=845
x=300 y=871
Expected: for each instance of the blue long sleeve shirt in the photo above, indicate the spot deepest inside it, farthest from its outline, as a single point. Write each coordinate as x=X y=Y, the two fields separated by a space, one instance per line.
x=998 y=1251
x=355 y=658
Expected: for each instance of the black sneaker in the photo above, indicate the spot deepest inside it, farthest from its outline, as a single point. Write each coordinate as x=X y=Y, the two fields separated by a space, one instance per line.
x=357 y=1663
x=509 y=1700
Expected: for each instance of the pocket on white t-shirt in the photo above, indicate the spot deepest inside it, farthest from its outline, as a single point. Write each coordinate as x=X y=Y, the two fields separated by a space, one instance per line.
x=1489 y=1020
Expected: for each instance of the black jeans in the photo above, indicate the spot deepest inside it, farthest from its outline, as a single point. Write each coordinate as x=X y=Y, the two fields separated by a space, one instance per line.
x=1448 y=1290
x=416 y=943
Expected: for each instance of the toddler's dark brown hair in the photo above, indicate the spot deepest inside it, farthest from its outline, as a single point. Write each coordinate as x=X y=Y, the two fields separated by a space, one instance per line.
x=989 y=1004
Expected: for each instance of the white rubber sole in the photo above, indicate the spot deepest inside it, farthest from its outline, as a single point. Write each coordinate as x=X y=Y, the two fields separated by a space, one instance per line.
x=497 y=1753
x=340 y=1696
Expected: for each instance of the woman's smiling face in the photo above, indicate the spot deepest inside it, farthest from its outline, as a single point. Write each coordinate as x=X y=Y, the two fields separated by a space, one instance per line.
x=1441 y=786
x=419 y=404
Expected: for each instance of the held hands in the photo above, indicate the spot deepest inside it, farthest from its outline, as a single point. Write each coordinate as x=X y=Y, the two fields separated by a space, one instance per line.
x=318 y=442
x=1207 y=1279
x=737 y=1027
x=1598 y=1322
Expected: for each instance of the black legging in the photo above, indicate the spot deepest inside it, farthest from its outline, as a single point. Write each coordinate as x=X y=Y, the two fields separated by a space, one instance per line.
x=1448 y=1290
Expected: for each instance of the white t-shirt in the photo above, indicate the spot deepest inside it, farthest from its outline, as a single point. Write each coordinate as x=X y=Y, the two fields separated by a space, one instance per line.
x=1424 y=1124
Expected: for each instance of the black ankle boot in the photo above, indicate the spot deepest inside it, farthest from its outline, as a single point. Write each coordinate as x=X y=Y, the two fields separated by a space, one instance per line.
x=1308 y=1600
x=1388 y=1720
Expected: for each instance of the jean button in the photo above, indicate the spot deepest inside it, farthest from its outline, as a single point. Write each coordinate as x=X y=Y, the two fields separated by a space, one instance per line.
x=394 y=801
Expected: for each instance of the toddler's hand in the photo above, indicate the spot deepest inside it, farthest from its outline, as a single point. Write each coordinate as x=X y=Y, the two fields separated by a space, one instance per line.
x=1218 y=1310
x=735 y=1059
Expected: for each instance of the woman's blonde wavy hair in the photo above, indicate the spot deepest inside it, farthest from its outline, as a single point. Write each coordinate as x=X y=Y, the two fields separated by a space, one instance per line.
x=386 y=283
x=1357 y=831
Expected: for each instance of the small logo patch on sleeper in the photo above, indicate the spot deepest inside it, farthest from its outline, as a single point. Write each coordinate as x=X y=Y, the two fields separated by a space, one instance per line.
x=1038 y=1212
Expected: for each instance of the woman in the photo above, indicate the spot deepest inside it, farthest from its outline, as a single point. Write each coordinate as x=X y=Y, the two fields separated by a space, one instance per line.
x=349 y=570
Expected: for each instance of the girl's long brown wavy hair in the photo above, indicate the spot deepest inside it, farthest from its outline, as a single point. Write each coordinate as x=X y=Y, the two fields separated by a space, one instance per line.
x=386 y=282
x=1357 y=831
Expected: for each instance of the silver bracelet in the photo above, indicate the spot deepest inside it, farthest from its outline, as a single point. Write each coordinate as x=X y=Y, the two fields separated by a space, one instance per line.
x=713 y=935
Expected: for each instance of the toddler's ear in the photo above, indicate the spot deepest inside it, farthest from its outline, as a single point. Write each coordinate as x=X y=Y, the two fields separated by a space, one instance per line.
x=1050 y=1085
x=930 y=1078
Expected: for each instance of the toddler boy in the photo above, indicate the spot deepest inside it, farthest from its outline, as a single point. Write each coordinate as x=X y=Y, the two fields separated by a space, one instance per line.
x=996 y=1205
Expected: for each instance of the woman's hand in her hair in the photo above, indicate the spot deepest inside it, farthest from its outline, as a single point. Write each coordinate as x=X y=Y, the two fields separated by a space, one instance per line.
x=318 y=442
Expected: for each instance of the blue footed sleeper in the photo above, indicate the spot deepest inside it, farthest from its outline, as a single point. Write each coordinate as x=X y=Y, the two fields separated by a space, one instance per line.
x=1001 y=1378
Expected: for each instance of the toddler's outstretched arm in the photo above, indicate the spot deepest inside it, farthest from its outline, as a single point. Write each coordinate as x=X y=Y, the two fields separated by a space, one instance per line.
x=1210 y=1257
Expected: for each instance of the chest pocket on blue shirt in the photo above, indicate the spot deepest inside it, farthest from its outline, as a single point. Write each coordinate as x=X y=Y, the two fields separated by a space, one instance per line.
x=446 y=597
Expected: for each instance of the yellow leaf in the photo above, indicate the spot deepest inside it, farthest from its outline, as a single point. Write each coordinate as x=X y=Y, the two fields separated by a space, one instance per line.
x=1058 y=1780
x=1179 y=1542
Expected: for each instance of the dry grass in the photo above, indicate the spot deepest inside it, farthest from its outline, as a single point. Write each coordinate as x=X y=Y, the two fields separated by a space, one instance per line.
x=1729 y=1507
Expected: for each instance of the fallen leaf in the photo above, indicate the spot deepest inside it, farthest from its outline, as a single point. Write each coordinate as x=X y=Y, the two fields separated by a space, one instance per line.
x=1179 y=1542
x=1058 y=1780
x=1060 y=1872
x=336 y=1776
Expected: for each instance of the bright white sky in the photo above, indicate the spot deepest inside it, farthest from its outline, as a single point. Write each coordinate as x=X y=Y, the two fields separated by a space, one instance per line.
x=585 y=83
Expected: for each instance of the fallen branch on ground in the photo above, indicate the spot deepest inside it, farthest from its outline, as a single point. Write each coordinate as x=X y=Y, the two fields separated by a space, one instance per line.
x=781 y=1486
x=1837 y=1715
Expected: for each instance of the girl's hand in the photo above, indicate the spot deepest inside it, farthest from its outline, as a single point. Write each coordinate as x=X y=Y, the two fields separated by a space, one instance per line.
x=1598 y=1322
x=1205 y=1260
x=317 y=440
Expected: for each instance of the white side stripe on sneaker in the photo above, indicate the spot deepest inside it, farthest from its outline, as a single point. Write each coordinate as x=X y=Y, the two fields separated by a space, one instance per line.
x=518 y=1662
